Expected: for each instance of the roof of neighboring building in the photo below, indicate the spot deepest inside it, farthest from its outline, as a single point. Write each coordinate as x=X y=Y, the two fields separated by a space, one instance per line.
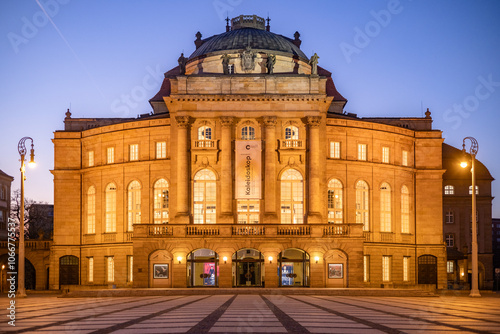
x=2 y=174
x=451 y=162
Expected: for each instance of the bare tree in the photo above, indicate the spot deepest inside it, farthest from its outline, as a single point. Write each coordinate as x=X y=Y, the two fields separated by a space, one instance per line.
x=38 y=217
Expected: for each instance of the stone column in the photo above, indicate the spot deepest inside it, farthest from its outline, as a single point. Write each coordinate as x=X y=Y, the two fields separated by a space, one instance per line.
x=314 y=195
x=182 y=167
x=270 y=215
x=226 y=169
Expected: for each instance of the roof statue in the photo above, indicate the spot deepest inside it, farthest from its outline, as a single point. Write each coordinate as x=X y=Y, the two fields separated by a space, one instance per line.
x=314 y=64
x=248 y=59
x=271 y=60
x=225 y=63
x=182 y=64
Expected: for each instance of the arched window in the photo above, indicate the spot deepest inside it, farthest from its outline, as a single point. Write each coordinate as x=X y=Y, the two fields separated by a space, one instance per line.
x=470 y=190
x=335 y=202
x=134 y=205
x=205 y=197
x=161 y=198
x=362 y=205
x=91 y=210
x=385 y=208
x=294 y=265
x=449 y=190
x=405 y=210
x=204 y=133
x=291 y=132
x=110 y=208
x=292 y=197
x=247 y=133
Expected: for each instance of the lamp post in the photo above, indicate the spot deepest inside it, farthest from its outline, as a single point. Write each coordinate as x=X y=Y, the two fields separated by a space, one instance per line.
x=474 y=291
x=1 y=278
x=21 y=292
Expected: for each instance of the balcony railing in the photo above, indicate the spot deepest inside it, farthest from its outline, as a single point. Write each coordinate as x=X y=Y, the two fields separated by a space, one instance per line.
x=292 y=143
x=202 y=230
x=31 y=244
x=294 y=230
x=249 y=230
x=204 y=143
x=336 y=230
x=158 y=230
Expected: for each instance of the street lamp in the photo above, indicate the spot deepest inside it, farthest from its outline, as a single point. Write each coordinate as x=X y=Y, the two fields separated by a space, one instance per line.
x=1 y=278
x=474 y=291
x=21 y=292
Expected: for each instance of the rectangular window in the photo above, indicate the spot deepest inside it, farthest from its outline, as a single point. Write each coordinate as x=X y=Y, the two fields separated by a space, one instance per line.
x=449 y=267
x=362 y=152
x=450 y=240
x=110 y=158
x=386 y=268
x=406 y=268
x=161 y=150
x=385 y=155
x=404 y=158
x=449 y=217
x=1 y=216
x=130 y=268
x=248 y=211
x=335 y=150
x=91 y=270
x=134 y=152
x=366 y=268
x=91 y=158
x=111 y=268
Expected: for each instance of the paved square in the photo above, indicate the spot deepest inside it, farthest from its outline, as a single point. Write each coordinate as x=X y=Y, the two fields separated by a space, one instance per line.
x=254 y=314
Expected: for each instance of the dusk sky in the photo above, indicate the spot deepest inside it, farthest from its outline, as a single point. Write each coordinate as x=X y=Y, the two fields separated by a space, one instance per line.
x=107 y=59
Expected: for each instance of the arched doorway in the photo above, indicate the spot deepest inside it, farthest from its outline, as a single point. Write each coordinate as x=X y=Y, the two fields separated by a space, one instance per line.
x=160 y=272
x=294 y=268
x=427 y=269
x=247 y=267
x=29 y=272
x=203 y=268
x=68 y=270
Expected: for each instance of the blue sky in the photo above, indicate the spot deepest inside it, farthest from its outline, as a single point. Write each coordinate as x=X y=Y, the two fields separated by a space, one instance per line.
x=388 y=58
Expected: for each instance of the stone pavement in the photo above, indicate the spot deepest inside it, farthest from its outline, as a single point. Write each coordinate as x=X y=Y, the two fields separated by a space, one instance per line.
x=266 y=313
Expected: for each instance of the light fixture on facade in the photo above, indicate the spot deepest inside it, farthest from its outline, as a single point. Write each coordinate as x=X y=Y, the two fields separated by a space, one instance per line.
x=316 y=258
x=179 y=258
x=270 y=259
x=224 y=259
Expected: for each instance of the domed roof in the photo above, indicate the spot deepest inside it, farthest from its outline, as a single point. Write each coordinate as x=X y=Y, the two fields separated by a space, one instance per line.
x=239 y=39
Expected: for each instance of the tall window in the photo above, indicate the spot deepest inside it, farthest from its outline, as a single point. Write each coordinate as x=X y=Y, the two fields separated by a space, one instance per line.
x=335 y=202
x=91 y=158
x=133 y=152
x=405 y=210
x=130 y=268
x=204 y=133
x=111 y=268
x=335 y=149
x=362 y=208
x=386 y=268
x=110 y=208
x=2 y=193
x=292 y=197
x=91 y=210
x=470 y=190
x=449 y=218
x=362 y=152
x=449 y=267
x=406 y=268
x=404 y=158
x=110 y=157
x=161 y=199
x=291 y=132
x=161 y=150
x=205 y=197
x=134 y=205
x=248 y=211
x=385 y=155
x=247 y=133
x=450 y=240
x=91 y=270
x=385 y=208
x=449 y=190
x=366 y=268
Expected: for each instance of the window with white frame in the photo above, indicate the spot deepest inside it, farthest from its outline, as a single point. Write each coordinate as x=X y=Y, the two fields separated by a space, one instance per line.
x=110 y=157
x=449 y=218
x=130 y=268
x=204 y=133
x=362 y=205
x=385 y=155
x=91 y=158
x=247 y=133
x=386 y=268
x=406 y=268
x=335 y=207
x=385 y=208
x=450 y=240
x=335 y=150
x=110 y=268
x=134 y=152
x=449 y=190
x=291 y=132
x=405 y=210
x=161 y=150
x=161 y=202
x=134 y=205
x=205 y=197
x=110 y=208
x=91 y=210
x=470 y=190
x=248 y=211
x=404 y=158
x=292 y=197
x=91 y=270
x=366 y=268
x=362 y=152
x=449 y=267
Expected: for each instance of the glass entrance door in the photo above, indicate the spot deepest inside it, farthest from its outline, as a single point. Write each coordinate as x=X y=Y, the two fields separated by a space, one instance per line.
x=247 y=268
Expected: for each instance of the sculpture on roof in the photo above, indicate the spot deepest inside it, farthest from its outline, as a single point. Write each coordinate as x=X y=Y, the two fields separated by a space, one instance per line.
x=248 y=59
x=314 y=64
x=182 y=64
x=225 y=63
x=271 y=60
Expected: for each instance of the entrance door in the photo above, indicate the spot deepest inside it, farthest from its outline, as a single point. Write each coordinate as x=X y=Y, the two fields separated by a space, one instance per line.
x=68 y=270
x=248 y=274
x=427 y=269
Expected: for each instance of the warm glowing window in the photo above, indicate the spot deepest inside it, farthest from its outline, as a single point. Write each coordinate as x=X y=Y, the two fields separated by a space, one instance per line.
x=248 y=211
x=386 y=268
x=247 y=133
x=366 y=268
x=291 y=132
x=385 y=155
x=362 y=208
x=91 y=158
x=110 y=158
x=362 y=152
x=134 y=152
x=130 y=268
x=292 y=197
x=470 y=190
x=405 y=210
x=335 y=149
x=161 y=150
x=134 y=205
x=111 y=268
x=449 y=267
x=91 y=210
x=91 y=270
x=406 y=268
x=449 y=218
x=335 y=207
x=204 y=133
x=404 y=158
x=161 y=199
x=449 y=190
x=205 y=197
x=110 y=208
x=385 y=208
x=450 y=240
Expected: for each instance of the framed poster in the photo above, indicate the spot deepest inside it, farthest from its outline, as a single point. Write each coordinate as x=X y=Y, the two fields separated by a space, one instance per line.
x=335 y=270
x=160 y=271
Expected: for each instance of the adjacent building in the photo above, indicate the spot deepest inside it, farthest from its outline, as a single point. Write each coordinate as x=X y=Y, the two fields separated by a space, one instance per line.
x=5 y=184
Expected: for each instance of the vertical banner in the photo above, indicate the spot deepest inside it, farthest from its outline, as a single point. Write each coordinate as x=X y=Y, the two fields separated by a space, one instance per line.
x=248 y=169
